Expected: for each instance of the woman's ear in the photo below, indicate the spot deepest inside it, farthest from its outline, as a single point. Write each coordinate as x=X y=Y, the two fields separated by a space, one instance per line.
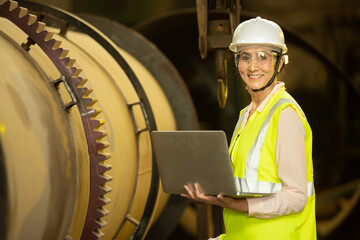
x=281 y=64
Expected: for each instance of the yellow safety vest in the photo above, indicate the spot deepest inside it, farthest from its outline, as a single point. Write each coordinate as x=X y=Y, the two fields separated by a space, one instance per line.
x=253 y=152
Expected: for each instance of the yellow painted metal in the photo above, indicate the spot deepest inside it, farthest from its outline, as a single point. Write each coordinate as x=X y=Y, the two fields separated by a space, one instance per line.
x=36 y=141
x=130 y=153
x=109 y=81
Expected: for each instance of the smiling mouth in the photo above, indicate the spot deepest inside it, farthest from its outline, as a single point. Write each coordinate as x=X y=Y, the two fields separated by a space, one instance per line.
x=255 y=76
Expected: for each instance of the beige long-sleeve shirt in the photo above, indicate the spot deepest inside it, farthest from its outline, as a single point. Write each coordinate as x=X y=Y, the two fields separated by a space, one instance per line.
x=291 y=163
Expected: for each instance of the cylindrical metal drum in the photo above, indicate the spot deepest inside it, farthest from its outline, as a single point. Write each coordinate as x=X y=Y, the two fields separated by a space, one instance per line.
x=76 y=155
x=38 y=153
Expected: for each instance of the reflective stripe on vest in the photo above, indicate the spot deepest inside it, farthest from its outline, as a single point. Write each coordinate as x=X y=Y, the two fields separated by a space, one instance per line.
x=238 y=124
x=249 y=183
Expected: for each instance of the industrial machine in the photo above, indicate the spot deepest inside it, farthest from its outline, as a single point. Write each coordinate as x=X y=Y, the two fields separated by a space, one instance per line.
x=76 y=157
x=81 y=93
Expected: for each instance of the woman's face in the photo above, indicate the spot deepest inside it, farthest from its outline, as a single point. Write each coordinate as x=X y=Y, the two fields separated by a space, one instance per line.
x=256 y=66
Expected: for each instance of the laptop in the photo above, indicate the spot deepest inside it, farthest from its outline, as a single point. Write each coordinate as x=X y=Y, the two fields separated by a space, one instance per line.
x=188 y=157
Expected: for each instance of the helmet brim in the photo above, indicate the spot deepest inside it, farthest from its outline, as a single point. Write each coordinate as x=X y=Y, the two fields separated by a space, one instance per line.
x=237 y=47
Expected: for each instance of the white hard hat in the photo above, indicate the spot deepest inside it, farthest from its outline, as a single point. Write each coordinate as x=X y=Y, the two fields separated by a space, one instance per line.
x=258 y=31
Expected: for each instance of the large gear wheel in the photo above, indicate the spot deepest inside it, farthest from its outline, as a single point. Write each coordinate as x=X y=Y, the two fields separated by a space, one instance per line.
x=80 y=95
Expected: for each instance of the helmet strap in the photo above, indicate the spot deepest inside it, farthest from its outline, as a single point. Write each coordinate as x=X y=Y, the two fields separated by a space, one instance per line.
x=278 y=58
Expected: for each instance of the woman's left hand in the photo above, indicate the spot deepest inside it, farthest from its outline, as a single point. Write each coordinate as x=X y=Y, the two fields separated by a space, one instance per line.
x=218 y=200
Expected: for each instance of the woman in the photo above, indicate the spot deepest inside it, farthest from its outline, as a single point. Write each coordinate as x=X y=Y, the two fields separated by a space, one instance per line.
x=271 y=148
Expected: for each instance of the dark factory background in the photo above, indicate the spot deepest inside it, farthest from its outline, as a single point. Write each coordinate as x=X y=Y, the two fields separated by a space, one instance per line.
x=323 y=74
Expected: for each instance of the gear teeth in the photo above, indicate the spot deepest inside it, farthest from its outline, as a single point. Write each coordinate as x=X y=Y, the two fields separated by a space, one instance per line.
x=99 y=234
x=106 y=154
x=6 y=3
x=103 y=134
x=107 y=166
x=64 y=53
x=13 y=5
x=106 y=178
x=96 y=112
x=98 y=135
x=55 y=44
x=98 y=128
x=103 y=179
x=42 y=35
x=90 y=101
x=41 y=27
x=105 y=189
x=101 y=223
x=57 y=52
x=104 y=167
x=76 y=72
x=97 y=146
x=69 y=62
x=84 y=92
x=76 y=80
x=49 y=36
x=31 y=19
x=22 y=12
x=104 y=200
x=61 y=53
x=102 y=145
x=99 y=158
x=103 y=211
x=82 y=82
x=101 y=122
x=97 y=123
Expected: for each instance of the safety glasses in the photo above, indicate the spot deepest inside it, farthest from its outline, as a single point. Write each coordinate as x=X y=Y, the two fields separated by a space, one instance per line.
x=263 y=59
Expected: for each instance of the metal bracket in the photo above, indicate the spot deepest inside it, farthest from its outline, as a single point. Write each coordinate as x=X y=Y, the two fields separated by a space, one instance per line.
x=216 y=35
x=57 y=82
x=137 y=129
x=202 y=13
